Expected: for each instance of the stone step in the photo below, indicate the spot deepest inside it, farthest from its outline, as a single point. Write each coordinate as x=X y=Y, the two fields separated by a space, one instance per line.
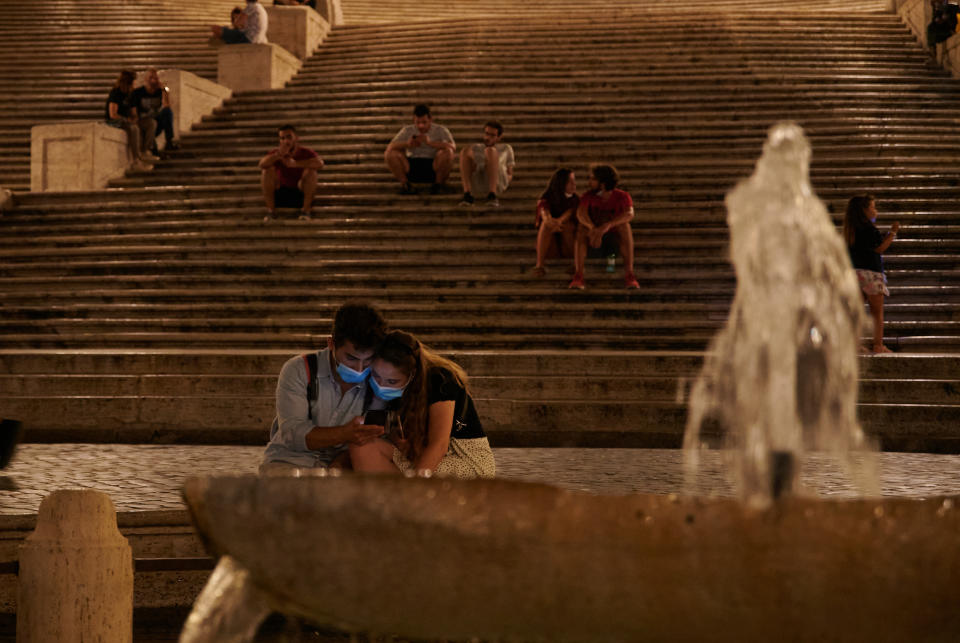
x=570 y=386
x=245 y=420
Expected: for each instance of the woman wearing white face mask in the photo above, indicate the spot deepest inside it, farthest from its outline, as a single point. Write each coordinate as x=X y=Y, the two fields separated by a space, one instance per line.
x=438 y=429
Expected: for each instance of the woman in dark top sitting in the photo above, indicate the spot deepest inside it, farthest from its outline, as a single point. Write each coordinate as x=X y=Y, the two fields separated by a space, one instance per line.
x=437 y=429
x=866 y=245
x=119 y=113
x=556 y=219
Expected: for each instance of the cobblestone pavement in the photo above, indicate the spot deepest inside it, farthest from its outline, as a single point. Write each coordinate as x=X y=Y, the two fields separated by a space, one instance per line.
x=149 y=477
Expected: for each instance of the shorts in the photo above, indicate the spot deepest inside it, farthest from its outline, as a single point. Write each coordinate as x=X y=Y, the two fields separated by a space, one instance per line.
x=478 y=181
x=421 y=171
x=465 y=459
x=872 y=283
x=284 y=197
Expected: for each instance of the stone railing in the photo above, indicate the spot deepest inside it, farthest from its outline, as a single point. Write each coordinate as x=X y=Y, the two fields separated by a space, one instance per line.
x=916 y=15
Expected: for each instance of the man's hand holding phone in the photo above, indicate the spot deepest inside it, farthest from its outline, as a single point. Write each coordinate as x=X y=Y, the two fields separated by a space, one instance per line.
x=356 y=432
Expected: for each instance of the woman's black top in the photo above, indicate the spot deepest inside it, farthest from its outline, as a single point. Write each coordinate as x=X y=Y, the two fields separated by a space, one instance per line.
x=443 y=386
x=863 y=252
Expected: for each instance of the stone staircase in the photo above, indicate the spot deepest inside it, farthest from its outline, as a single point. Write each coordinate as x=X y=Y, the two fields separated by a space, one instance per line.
x=59 y=61
x=161 y=310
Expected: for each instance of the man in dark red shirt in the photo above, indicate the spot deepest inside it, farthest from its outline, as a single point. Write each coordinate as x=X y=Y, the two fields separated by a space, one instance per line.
x=604 y=213
x=288 y=175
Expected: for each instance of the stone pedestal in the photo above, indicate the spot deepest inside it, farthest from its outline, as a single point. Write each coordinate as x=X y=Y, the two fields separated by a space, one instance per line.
x=255 y=67
x=299 y=30
x=916 y=15
x=191 y=97
x=76 y=573
x=80 y=155
x=331 y=11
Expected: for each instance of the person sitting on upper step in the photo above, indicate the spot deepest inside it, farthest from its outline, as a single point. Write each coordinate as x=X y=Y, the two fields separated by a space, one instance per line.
x=321 y=397
x=944 y=23
x=604 y=212
x=151 y=105
x=119 y=113
x=288 y=175
x=421 y=153
x=250 y=27
x=486 y=167
x=556 y=219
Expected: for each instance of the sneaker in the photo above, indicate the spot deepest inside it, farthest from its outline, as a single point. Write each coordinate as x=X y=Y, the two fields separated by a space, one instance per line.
x=538 y=271
x=141 y=166
x=630 y=281
x=406 y=188
x=270 y=216
x=467 y=200
x=493 y=201
x=148 y=157
x=304 y=215
x=578 y=282
x=171 y=146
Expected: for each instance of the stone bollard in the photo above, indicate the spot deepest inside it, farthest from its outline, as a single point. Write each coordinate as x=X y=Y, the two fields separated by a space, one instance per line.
x=76 y=573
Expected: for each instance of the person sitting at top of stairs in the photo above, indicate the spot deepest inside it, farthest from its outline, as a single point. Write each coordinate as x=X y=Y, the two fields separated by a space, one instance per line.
x=477 y=162
x=604 y=211
x=119 y=113
x=421 y=153
x=250 y=26
x=288 y=175
x=151 y=105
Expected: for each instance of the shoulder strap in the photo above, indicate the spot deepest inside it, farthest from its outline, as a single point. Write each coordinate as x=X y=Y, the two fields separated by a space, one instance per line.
x=313 y=386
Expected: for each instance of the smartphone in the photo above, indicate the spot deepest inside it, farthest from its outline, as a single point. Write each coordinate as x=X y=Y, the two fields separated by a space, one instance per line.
x=376 y=418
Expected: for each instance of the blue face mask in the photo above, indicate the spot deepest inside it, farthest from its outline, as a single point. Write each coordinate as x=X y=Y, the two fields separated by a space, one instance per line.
x=385 y=392
x=351 y=376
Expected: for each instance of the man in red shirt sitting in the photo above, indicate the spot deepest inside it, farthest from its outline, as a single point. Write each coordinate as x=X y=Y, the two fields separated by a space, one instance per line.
x=288 y=175
x=604 y=213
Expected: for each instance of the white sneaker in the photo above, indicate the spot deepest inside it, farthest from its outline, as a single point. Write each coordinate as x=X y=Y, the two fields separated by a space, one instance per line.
x=148 y=157
x=140 y=166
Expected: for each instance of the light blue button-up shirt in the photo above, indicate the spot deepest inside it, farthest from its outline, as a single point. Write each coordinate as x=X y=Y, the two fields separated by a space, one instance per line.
x=288 y=435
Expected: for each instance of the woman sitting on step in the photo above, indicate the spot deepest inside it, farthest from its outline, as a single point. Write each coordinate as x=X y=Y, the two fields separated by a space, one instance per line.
x=556 y=219
x=120 y=114
x=866 y=245
x=437 y=429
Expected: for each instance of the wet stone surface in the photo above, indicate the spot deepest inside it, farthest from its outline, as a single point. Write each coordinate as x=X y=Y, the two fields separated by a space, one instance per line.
x=148 y=477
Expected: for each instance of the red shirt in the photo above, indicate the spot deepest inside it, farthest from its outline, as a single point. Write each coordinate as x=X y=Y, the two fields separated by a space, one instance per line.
x=289 y=177
x=602 y=211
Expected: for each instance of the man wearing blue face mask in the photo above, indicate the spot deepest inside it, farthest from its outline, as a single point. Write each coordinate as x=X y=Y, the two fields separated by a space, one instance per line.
x=320 y=413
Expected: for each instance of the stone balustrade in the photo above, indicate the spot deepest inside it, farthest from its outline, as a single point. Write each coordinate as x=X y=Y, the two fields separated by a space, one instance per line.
x=255 y=67
x=299 y=30
x=191 y=97
x=76 y=156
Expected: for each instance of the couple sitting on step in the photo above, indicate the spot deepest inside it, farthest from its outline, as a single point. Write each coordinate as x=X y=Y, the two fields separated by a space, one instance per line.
x=376 y=400
x=568 y=225
x=423 y=152
x=141 y=112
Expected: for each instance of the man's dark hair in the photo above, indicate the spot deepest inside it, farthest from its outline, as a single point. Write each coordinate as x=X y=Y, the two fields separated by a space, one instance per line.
x=360 y=323
x=287 y=128
x=421 y=110
x=495 y=125
x=606 y=175
x=236 y=11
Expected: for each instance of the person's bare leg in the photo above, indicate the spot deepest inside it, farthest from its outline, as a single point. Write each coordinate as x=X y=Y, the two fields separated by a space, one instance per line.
x=580 y=251
x=467 y=166
x=398 y=165
x=308 y=185
x=375 y=456
x=544 y=241
x=568 y=236
x=876 y=311
x=148 y=132
x=268 y=184
x=626 y=247
x=492 y=158
x=442 y=164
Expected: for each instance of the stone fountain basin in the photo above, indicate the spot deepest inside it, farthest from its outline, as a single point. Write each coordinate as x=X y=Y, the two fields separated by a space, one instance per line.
x=497 y=559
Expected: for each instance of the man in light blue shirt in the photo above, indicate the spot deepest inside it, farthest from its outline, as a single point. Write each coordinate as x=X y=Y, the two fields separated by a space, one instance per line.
x=317 y=434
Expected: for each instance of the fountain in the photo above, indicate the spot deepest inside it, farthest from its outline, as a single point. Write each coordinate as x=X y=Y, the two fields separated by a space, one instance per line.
x=501 y=560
